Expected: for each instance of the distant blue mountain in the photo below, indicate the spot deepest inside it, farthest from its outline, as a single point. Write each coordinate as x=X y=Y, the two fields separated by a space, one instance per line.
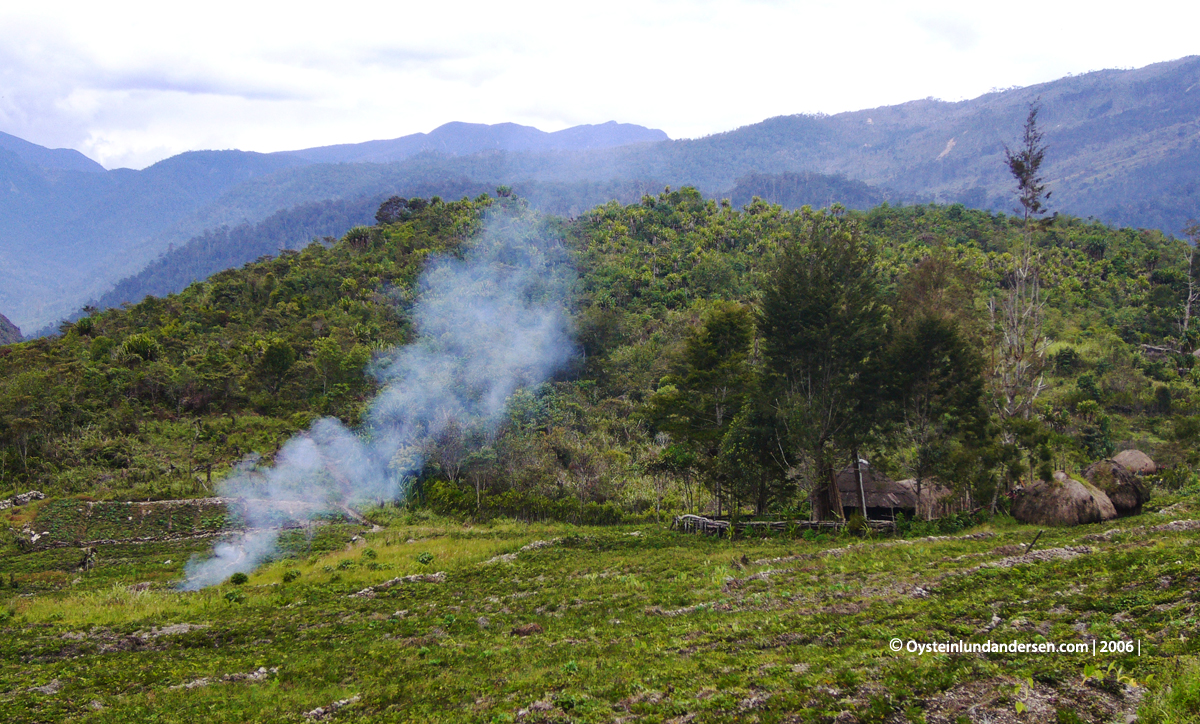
x=66 y=159
x=462 y=139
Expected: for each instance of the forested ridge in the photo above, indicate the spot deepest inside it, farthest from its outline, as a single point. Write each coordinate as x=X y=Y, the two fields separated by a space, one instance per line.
x=701 y=327
x=1125 y=146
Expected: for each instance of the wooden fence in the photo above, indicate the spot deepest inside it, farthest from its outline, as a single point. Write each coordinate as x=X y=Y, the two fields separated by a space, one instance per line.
x=708 y=526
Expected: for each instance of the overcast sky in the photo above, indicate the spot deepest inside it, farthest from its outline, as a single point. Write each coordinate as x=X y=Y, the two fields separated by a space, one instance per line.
x=129 y=84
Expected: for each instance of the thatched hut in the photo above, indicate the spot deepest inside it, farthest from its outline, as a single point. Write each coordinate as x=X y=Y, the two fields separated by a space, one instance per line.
x=1138 y=462
x=885 y=497
x=1124 y=488
x=1062 y=501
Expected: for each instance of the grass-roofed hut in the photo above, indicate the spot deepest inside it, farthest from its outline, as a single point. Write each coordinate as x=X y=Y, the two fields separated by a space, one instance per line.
x=1124 y=488
x=1062 y=501
x=1138 y=462
x=885 y=497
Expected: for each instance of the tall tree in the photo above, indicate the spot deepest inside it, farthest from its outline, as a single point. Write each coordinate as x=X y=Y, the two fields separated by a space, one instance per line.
x=699 y=401
x=938 y=379
x=1192 y=234
x=1018 y=355
x=823 y=327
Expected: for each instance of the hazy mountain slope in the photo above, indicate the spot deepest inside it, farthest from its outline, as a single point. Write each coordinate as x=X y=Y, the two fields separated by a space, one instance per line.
x=67 y=159
x=459 y=139
x=226 y=248
x=65 y=236
x=1122 y=146
x=8 y=331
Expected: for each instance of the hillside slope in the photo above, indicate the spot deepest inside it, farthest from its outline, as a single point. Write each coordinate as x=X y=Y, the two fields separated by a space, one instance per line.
x=1122 y=146
x=250 y=354
x=66 y=159
x=8 y=331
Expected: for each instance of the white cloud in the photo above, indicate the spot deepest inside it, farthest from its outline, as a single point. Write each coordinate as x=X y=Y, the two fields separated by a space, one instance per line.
x=134 y=84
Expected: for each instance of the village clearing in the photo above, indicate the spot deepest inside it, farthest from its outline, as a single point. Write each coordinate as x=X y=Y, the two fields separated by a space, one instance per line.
x=430 y=620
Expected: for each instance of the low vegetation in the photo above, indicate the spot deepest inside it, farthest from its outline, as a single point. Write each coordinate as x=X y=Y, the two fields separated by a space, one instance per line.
x=427 y=619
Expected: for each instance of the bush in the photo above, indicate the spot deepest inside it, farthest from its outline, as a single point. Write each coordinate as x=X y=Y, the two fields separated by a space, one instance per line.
x=447 y=498
x=141 y=347
x=291 y=576
x=238 y=579
x=425 y=558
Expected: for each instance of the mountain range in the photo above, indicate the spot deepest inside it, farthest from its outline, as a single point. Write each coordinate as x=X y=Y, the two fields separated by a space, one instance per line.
x=1123 y=147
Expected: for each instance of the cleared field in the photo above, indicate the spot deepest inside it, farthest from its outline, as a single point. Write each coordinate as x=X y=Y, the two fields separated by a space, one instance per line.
x=561 y=623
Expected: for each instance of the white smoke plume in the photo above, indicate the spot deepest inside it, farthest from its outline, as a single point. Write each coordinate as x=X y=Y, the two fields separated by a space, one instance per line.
x=487 y=325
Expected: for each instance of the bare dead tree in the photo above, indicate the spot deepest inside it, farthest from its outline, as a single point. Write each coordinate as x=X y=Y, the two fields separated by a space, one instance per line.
x=1192 y=232
x=1018 y=355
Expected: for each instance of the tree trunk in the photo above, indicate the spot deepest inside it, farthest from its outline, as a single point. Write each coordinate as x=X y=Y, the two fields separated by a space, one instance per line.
x=862 y=493
x=826 y=501
x=918 y=512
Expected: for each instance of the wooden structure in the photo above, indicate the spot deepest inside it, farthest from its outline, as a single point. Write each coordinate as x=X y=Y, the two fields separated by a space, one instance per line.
x=715 y=526
x=884 y=496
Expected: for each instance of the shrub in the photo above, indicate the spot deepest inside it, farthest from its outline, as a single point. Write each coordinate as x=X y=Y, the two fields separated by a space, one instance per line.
x=291 y=576
x=139 y=346
x=239 y=578
x=425 y=558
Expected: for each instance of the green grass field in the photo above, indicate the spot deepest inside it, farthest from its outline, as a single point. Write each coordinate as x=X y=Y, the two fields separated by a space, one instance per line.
x=610 y=624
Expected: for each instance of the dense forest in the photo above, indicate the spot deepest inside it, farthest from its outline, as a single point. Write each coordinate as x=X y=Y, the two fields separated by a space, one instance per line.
x=728 y=358
x=226 y=248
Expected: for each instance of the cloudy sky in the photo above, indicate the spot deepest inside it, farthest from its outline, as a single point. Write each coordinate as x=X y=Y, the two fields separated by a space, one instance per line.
x=129 y=83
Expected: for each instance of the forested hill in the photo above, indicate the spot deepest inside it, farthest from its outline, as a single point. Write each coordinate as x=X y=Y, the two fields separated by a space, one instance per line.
x=226 y=248
x=681 y=314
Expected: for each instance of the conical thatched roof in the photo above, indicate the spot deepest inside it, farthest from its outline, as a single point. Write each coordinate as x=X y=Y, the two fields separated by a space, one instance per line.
x=880 y=490
x=1062 y=501
x=1137 y=461
x=1126 y=490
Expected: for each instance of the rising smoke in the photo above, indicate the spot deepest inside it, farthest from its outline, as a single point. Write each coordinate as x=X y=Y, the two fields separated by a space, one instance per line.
x=487 y=325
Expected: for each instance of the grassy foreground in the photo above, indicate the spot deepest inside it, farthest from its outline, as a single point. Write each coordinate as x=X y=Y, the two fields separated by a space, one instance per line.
x=611 y=624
